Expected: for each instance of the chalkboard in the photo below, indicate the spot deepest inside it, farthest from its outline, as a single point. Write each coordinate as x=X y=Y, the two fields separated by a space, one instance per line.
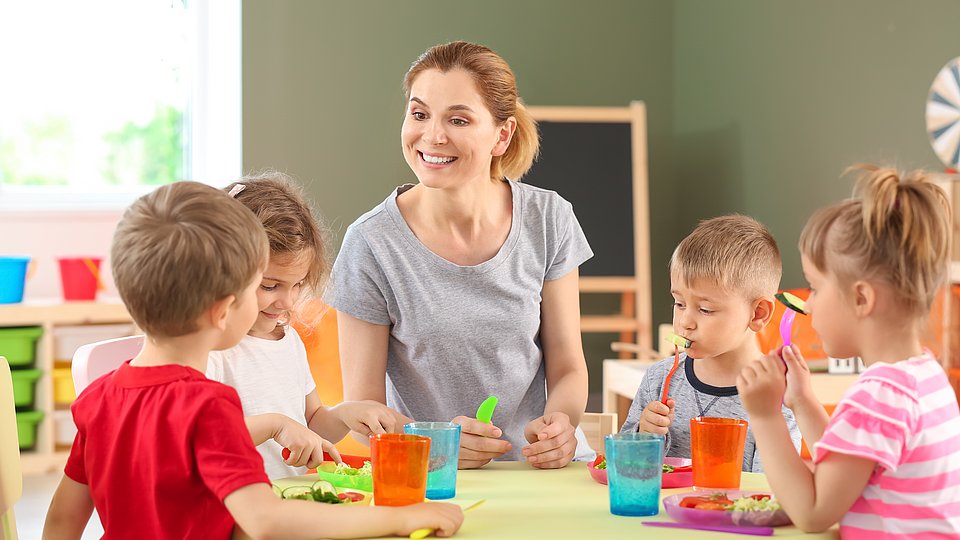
x=596 y=158
x=590 y=165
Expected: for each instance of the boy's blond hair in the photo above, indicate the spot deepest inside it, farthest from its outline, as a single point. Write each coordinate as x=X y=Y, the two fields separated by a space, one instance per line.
x=179 y=249
x=735 y=252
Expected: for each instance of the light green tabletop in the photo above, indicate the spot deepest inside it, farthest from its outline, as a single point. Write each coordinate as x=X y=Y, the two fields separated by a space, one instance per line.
x=525 y=503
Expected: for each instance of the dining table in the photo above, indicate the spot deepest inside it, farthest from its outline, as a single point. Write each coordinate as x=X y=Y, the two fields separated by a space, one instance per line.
x=521 y=502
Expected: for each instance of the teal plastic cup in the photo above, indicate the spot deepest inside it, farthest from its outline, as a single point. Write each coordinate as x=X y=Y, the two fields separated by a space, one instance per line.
x=444 y=456
x=634 y=467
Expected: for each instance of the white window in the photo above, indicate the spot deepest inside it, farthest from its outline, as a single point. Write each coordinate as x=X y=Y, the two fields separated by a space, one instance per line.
x=103 y=100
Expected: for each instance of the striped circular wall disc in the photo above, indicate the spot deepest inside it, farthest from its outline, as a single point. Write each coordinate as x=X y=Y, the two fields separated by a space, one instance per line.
x=943 y=114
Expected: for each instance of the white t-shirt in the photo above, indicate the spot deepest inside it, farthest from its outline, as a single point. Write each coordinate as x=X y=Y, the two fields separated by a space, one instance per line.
x=271 y=377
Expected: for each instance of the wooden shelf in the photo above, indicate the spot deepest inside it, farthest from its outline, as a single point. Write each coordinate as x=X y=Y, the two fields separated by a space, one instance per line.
x=38 y=313
x=46 y=456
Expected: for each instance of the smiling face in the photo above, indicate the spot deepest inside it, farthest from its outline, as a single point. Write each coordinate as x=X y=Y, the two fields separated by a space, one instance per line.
x=715 y=320
x=448 y=134
x=278 y=292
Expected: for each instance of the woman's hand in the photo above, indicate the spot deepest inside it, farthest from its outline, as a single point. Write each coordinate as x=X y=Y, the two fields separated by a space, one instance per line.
x=370 y=417
x=479 y=443
x=306 y=447
x=553 y=442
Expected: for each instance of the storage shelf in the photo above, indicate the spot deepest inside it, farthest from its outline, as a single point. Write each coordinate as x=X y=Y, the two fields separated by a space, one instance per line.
x=51 y=314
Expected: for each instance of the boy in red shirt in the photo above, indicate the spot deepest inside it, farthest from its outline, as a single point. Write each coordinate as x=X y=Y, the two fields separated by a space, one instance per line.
x=163 y=452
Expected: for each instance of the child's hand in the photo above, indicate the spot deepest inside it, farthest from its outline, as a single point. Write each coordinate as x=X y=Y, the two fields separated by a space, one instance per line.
x=371 y=417
x=306 y=447
x=552 y=441
x=479 y=442
x=761 y=386
x=799 y=388
x=445 y=518
x=657 y=417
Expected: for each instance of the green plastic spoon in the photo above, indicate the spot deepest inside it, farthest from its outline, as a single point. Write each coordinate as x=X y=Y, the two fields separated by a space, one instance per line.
x=485 y=411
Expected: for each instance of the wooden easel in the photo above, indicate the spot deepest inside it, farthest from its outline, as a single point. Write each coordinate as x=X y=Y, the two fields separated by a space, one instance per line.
x=635 y=317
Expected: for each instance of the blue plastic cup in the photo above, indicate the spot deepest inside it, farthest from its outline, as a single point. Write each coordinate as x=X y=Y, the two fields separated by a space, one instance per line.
x=444 y=455
x=13 y=274
x=634 y=467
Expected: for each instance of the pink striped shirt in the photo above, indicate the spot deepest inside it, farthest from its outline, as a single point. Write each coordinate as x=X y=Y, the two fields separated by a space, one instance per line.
x=905 y=417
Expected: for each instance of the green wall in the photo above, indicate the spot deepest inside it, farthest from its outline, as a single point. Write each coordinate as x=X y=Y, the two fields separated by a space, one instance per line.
x=322 y=84
x=773 y=99
x=754 y=106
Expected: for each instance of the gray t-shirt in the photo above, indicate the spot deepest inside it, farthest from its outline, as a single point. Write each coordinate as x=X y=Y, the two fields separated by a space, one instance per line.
x=460 y=333
x=696 y=398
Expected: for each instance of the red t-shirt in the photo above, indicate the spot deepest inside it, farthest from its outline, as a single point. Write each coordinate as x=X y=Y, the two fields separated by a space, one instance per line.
x=160 y=448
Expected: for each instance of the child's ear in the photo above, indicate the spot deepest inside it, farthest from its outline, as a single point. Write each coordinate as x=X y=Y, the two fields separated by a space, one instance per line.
x=762 y=313
x=504 y=136
x=864 y=298
x=217 y=314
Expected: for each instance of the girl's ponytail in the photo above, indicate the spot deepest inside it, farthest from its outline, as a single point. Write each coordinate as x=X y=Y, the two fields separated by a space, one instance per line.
x=907 y=224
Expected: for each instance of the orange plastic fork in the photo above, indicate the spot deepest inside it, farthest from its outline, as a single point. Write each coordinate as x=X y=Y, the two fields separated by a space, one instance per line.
x=666 y=382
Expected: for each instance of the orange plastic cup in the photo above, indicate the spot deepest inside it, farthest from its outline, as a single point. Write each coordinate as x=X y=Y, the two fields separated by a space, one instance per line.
x=716 y=445
x=399 y=468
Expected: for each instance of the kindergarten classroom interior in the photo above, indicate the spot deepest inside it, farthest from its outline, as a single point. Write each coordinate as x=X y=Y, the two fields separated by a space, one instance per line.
x=654 y=115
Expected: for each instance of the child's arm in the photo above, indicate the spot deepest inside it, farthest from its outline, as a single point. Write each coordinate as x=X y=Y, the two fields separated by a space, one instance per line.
x=812 y=418
x=306 y=447
x=814 y=500
x=363 y=417
x=69 y=511
x=260 y=514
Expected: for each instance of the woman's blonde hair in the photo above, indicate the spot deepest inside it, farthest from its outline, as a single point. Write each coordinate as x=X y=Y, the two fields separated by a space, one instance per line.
x=498 y=88
x=896 y=228
x=293 y=228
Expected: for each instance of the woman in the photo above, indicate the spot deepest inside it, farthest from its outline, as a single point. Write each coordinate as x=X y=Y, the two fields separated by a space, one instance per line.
x=465 y=285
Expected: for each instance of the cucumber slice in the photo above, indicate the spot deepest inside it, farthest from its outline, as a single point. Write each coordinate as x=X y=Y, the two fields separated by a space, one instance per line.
x=678 y=340
x=304 y=493
x=792 y=301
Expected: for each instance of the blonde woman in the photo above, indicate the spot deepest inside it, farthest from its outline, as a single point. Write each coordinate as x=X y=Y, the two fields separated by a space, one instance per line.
x=465 y=284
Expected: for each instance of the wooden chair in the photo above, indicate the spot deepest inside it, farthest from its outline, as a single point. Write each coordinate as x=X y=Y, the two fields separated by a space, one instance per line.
x=94 y=360
x=11 y=479
x=596 y=426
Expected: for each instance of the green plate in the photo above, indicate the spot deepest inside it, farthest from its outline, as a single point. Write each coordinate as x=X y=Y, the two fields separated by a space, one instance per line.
x=362 y=483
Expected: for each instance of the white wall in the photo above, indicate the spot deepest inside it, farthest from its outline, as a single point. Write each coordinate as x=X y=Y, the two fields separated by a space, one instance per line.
x=44 y=236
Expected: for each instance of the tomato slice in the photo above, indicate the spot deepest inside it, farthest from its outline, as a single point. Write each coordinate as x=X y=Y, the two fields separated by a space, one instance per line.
x=692 y=502
x=712 y=505
x=353 y=496
x=760 y=497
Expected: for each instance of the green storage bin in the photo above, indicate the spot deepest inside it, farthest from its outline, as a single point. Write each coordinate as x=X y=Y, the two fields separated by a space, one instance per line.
x=19 y=345
x=27 y=423
x=24 y=383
